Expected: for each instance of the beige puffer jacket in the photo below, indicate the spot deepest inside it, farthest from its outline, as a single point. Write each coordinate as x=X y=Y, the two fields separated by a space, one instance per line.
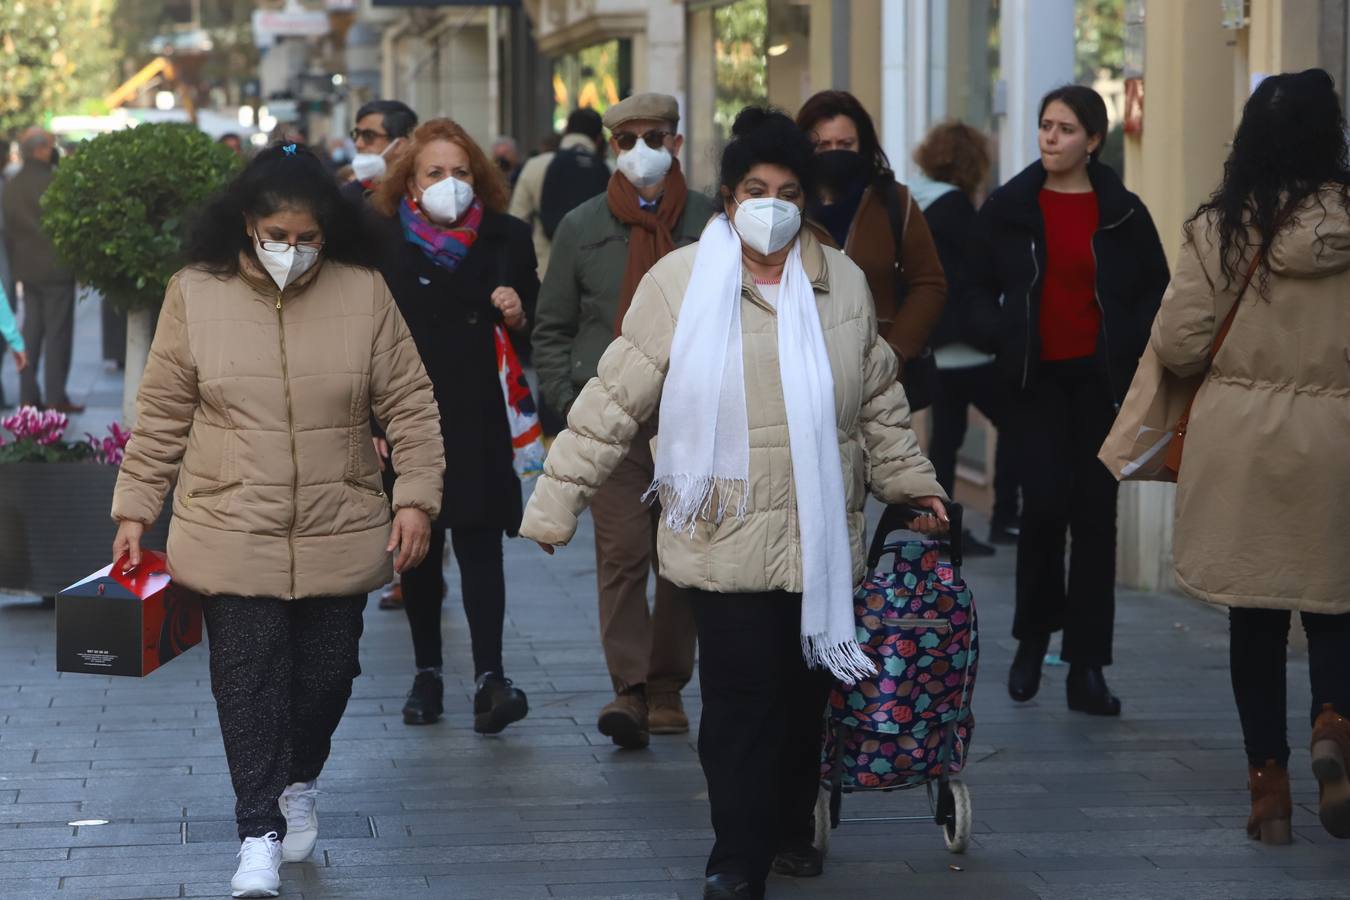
x=761 y=551
x=259 y=403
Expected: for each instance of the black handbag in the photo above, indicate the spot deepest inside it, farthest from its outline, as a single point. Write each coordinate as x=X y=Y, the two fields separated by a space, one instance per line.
x=920 y=374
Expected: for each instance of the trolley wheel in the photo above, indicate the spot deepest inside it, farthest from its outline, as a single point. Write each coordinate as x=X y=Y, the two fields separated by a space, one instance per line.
x=956 y=827
x=821 y=839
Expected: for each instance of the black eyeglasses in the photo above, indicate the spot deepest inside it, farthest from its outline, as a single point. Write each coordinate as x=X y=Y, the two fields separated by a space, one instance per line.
x=655 y=138
x=301 y=247
x=368 y=135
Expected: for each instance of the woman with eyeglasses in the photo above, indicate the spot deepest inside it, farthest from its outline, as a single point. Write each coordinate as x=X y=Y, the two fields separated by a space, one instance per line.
x=463 y=273
x=275 y=346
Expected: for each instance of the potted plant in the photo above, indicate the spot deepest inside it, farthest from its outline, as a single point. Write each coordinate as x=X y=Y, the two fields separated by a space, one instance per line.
x=115 y=211
x=55 y=498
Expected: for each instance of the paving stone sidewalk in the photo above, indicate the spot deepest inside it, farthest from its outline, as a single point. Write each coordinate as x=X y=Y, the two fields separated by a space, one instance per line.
x=1149 y=806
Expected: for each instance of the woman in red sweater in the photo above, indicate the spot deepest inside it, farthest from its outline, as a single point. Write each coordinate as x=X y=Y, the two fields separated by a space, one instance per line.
x=1066 y=274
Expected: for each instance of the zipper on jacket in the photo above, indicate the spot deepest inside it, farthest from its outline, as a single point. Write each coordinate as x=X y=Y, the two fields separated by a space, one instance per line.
x=1101 y=307
x=290 y=427
x=364 y=488
x=209 y=492
x=917 y=622
x=1035 y=277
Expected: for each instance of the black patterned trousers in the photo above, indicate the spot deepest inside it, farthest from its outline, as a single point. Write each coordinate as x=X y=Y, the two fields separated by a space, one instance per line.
x=281 y=673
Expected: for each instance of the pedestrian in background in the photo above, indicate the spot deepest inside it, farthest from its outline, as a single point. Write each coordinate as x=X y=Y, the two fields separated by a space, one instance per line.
x=48 y=287
x=382 y=129
x=604 y=248
x=1065 y=275
x=9 y=334
x=506 y=154
x=6 y=281
x=1261 y=516
x=278 y=519
x=580 y=175
x=778 y=405
x=459 y=266
x=873 y=218
x=954 y=163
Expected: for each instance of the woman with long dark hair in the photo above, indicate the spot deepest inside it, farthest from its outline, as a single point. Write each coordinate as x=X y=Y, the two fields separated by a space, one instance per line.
x=875 y=220
x=778 y=408
x=275 y=346
x=1261 y=516
x=459 y=268
x=1065 y=275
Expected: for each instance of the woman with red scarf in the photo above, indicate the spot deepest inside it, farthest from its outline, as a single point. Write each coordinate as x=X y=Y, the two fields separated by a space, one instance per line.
x=462 y=272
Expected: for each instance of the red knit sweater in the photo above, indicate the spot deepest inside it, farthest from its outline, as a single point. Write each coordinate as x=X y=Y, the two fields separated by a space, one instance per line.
x=1070 y=317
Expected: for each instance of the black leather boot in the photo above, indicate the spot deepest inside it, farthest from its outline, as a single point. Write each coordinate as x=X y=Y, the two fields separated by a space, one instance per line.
x=799 y=862
x=426 y=700
x=497 y=703
x=723 y=886
x=1024 y=678
x=1089 y=694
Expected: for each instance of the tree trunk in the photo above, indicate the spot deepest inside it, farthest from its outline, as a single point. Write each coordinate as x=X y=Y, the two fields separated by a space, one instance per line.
x=140 y=328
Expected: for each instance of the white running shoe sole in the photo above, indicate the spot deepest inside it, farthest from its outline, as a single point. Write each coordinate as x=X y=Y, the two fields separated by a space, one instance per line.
x=257 y=892
x=299 y=846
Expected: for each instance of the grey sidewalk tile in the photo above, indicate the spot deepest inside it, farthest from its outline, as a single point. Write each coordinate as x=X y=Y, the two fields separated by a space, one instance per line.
x=1201 y=890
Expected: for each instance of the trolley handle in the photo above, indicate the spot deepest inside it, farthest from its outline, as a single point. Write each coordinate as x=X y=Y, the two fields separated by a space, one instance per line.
x=898 y=517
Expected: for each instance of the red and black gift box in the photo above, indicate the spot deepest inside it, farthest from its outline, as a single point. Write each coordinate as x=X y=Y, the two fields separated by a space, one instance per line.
x=118 y=622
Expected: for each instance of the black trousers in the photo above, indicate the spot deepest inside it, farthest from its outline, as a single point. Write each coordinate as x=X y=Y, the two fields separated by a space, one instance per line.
x=1257 y=646
x=478 y=551
x=762 y=728
x=958 y=390
x=281 y=673
x=1062 y=419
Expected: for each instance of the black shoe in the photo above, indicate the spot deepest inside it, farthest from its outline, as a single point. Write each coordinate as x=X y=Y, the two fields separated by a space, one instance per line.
x=973 y=546
x=1089 y=694
x=1004 y=533
x=799 y=862
x=426 y=700
x=1024 y=678
x=729 y=887
x=497 y=703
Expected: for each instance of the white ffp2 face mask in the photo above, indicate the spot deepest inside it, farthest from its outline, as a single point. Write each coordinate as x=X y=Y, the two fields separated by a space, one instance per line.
x=446 y=200
x=644 y=166
x=767 y=224
x=285 y=266
x=371 y=166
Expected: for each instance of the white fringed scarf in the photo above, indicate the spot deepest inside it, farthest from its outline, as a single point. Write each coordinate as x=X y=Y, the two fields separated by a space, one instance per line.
x=703 y=462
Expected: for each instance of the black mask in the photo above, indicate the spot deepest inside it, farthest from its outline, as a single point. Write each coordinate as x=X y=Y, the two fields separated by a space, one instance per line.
x=841 y=172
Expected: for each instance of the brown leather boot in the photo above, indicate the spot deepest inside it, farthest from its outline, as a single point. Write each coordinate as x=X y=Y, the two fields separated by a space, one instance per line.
x=624 y=720
x=666 y=714
x=1330 y=761
x=1272 y=807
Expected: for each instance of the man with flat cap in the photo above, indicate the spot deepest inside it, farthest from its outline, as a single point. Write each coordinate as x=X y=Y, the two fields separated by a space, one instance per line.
x=600 y=252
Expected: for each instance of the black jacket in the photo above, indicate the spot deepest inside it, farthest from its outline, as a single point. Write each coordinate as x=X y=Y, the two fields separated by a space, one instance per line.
x=950 y=219
x=1006 y=259
x=451 y=317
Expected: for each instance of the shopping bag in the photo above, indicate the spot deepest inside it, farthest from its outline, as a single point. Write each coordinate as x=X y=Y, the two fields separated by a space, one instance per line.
x=522 y=416
x=1136 y=449
x=119 y=622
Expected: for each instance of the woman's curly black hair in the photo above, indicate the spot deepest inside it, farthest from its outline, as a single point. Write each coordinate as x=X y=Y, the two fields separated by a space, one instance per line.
x=290 y=177
x=763 y=135
x=1290 y=145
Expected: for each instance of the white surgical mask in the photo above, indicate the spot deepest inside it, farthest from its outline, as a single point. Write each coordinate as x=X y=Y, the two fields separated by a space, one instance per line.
x=644 y=166
x=447 y=200
x=285 y=266
x=371 y=166
x=767 y=224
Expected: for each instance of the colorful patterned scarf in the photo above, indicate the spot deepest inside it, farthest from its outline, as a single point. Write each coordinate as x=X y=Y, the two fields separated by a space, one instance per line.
x=446 y=247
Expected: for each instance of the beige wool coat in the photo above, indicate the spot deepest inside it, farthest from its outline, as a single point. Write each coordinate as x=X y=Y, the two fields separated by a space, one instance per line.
x=258 y=403
x=760 y=551
x=1262 y=516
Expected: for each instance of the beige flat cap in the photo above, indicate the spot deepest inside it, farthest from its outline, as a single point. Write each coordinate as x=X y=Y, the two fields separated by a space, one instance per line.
x=643 y=106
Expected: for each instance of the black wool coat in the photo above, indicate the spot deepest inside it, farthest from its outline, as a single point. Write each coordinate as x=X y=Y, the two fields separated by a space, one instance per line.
x=1006 y=261
x=451 y=317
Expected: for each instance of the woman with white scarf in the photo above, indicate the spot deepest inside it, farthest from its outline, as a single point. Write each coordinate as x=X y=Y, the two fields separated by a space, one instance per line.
x=756 y=351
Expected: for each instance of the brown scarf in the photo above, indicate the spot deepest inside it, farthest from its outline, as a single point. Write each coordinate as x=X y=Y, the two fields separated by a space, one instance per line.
x=649 y=237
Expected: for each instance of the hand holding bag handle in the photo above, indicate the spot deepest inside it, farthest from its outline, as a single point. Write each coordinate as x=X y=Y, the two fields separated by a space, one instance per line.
x=898 y=517
x=1175 y=448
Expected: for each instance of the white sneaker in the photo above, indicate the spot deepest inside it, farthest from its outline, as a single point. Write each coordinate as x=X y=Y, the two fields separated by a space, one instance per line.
x=302 y=821
x=259 y=873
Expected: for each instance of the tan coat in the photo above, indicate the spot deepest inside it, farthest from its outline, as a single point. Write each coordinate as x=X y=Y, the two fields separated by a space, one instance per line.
x=259 y=404
x=1262 y=512
x=761 y=551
